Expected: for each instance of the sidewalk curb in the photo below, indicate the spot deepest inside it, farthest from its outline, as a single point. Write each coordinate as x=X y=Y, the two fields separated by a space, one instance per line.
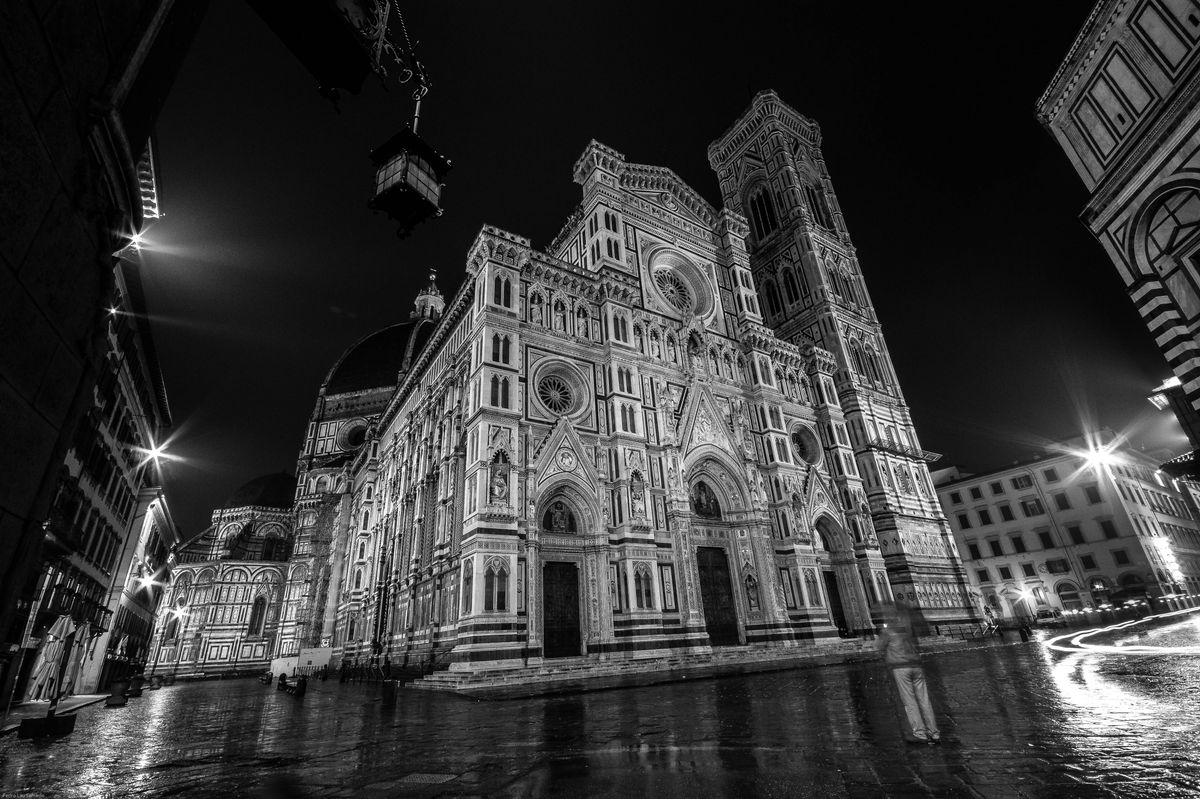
x=12 y=727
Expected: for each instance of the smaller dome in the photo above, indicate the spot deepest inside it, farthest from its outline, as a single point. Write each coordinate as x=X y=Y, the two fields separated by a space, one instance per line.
x=269 y=491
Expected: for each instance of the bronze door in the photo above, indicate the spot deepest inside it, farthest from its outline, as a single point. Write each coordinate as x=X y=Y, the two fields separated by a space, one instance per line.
x=560 y=610
x=720 y=616
x=836 y=611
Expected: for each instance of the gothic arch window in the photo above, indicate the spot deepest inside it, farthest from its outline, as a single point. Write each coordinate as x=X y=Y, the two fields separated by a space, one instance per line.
x=502 y=291
x=350 y=631
x=811 y=588
x=258 y=614
x=366 y=520
x=873 y=365
x=789 y=286
x=704 y=502
x=322 y=484
x=172 y=628
x=762 y=211
x=772 y=295
x=495 y=586
x=643 y=587
x=856 y=358
x=818 y=205
x=357 y=579
x=468 y=584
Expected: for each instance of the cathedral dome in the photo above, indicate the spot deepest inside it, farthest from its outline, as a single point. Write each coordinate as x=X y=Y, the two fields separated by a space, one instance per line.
x=269 y=491
x=377 y=360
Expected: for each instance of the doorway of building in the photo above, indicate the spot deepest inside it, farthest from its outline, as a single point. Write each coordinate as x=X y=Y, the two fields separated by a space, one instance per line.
x=836 y=611
x=716 y=590
x=560 y=610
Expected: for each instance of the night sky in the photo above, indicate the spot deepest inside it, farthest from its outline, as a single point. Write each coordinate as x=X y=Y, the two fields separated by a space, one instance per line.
x=1006 y=321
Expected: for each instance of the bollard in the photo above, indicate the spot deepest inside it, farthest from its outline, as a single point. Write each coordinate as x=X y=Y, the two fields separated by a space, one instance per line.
x=117 y=699
x=135 y=685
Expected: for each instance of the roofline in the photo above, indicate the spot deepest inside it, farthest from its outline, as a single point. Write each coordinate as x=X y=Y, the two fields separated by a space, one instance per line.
x=1058 y=88
x=131 y=275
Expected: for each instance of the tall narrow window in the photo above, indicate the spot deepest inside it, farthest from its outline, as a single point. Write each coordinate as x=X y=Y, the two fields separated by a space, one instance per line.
x=504 y=393
x=468 y=585
x=257 y=616
x=495 y=391
x=495 y=346
x=643 y=585
x=762 y=212
x=498 y=290
x=505 y=353
x=772 y=297
x=495 y=586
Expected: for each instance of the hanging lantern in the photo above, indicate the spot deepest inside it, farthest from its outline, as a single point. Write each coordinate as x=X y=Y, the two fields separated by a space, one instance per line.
x=408 y=180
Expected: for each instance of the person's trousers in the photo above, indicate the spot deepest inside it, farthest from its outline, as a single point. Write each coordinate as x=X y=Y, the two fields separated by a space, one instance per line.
x=910 y=681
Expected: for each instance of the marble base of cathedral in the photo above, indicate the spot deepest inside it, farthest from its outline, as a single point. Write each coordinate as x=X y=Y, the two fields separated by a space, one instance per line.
x=592 y=673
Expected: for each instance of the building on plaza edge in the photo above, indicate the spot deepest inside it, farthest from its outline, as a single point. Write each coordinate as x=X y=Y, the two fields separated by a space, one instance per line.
x=221 y=612
x=1078 y=528
x=678 y=428
x=1123 y=108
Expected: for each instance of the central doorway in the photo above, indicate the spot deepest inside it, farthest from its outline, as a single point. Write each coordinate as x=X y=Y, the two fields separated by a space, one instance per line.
x=716 y=590
x=836 y=611
x=560 y=610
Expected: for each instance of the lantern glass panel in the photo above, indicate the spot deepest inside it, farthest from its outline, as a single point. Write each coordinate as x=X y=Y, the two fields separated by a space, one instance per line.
x=422 y=178
x=391 y=173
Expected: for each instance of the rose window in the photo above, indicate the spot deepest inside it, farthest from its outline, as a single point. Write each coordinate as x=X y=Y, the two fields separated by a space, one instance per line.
x=555 y=394
x=674 y=290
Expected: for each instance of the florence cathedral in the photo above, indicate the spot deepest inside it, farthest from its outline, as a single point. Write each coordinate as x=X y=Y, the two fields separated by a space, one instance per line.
x=676 y=430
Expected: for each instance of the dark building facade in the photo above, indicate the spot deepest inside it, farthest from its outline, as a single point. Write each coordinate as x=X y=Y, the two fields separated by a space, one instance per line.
x=81 y=84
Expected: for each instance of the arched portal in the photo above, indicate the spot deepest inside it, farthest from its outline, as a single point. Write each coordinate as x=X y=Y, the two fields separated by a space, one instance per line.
x=563 y=513
x=717 y=497
x=849 y=607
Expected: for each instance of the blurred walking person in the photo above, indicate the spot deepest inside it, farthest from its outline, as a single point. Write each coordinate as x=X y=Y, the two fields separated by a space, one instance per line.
x=898 y=643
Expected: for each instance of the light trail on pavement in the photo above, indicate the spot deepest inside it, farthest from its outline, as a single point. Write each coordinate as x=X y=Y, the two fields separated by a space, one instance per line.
x=1074 y=642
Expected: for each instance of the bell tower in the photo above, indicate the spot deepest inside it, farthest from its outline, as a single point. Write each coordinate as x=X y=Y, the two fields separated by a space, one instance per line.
x=771 y=170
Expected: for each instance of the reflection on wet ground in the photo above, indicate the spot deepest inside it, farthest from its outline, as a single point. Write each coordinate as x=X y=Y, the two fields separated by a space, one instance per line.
x=1019 y=721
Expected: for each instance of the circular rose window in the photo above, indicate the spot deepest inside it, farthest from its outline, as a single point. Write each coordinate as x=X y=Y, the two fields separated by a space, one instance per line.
x=555 y=394
x=674 y=290
x=806 y=446
x=679 y=283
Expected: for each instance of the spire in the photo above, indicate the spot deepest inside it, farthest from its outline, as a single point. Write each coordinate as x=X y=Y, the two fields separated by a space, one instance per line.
x=429 y=303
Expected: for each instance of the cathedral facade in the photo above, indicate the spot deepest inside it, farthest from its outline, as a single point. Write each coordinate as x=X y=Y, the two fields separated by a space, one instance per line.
x=678 y=428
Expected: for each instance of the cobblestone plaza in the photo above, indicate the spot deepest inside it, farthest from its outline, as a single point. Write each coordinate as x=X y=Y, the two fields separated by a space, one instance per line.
x=1018 y=719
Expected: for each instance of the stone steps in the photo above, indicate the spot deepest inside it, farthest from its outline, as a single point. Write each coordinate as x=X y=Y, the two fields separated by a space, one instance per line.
x=582 y=674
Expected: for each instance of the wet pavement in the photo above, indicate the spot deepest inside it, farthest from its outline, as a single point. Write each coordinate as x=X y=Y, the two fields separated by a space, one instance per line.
x=1018 y=721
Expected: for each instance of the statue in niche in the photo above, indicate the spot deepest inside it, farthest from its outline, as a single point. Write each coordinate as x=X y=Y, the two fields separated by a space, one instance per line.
x=672 y=354
x=751 y=592
x=655 y=349
x=535 y=309
x=581 y=328
x=704 y=501
x=637 y=338
x=560 y=316
x=498 y=487
x=637 y=495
